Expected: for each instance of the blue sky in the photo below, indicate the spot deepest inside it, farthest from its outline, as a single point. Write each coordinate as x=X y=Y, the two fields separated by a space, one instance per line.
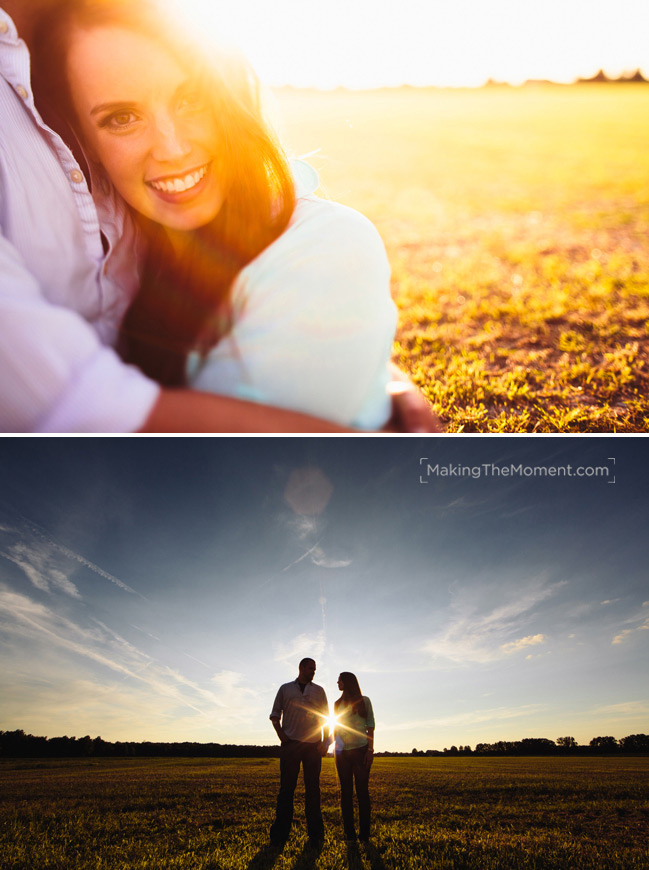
x=161 y=589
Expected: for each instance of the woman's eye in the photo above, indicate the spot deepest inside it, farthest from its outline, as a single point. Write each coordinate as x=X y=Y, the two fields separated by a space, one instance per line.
x=119 y=121
x=192 y=101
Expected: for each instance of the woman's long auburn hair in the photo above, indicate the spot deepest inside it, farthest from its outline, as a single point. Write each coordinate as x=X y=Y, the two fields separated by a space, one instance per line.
x=183 y=303
x=351 y=696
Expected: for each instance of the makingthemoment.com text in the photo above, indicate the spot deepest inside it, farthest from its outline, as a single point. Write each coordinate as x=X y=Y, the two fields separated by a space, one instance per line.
x=490 y=469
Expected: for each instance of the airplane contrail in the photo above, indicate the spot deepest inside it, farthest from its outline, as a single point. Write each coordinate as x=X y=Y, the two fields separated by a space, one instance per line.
x=45 y=535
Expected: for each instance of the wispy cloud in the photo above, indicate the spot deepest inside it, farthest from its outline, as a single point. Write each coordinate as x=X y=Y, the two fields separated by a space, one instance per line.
x=320 y=558
x=473 y=717
x=98 y=645
x=639 y=622
x=303 y=556
x=40 y=569
x=299 y=647
x=624 y=709
x=38 y=554
x=480 y=631
x=522 y=643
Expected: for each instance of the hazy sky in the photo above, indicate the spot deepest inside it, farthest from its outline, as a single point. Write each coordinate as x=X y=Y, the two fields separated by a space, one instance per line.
x=430 y=42
x=162 y=589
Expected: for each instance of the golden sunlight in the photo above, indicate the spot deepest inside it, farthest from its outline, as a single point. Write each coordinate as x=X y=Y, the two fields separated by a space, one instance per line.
x=463 y=44
x=331 y=723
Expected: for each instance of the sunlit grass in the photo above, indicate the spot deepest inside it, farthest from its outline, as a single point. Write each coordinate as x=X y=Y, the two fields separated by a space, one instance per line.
x=202 y=814
x=517 y=225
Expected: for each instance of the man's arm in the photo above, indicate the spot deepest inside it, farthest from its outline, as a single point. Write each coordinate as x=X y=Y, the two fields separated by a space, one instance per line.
x=276 y=713
x=191 y=411
x=278 y=728
x=57 y=377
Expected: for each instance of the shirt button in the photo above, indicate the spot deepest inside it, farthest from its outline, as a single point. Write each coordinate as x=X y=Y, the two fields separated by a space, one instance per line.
x=22 y=93
x=77 y=176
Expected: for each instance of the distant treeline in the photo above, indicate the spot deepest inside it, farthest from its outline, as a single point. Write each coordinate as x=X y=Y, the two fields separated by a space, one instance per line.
x=17 y=744
x=634 y=743
x=598 y=78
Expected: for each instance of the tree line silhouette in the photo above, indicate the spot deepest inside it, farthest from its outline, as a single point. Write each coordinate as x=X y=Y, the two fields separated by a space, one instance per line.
x=600 y=77
x=17 y=744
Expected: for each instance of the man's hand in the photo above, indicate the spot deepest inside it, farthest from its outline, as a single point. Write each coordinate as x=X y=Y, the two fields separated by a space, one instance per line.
x=369 y=758
x=280 y=731
x=324 y=747
x=410 y=410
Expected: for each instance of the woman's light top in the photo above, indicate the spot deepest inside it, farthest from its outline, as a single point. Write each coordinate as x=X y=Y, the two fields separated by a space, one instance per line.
x=351 y=728
x=313 y=320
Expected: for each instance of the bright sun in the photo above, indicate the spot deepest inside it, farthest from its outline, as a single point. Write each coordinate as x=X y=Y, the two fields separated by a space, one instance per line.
x=444 y=44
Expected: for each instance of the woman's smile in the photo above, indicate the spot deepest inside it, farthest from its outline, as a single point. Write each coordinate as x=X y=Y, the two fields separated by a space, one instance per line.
x=182 y=186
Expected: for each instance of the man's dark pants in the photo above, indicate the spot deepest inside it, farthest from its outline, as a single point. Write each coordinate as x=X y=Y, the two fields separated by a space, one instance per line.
x=351 y=768
x=292 y=754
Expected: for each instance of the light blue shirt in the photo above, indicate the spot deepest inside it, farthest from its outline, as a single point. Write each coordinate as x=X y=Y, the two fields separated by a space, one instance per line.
x=61 y=297
x=313 y=319
x=351 y=728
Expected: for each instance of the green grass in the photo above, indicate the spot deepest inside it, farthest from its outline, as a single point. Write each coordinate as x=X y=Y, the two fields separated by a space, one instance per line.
x=517 y=225
x=197 y=814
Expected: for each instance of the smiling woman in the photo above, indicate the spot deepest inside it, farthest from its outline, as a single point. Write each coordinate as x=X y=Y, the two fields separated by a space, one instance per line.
x=161 y=145
x=251 y=285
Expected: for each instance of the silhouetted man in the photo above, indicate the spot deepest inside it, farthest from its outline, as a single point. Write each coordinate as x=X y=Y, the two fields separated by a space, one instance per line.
x=304 y=733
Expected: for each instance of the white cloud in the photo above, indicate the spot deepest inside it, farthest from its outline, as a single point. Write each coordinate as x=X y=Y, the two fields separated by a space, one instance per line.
x=478 y=630
x=319 y=558
x=625 y=708
x=41 y=567
x=48 y=633
x=626 y=633
x=472 y=717
x=301 y=646
x=523 y=643
x=38 y=554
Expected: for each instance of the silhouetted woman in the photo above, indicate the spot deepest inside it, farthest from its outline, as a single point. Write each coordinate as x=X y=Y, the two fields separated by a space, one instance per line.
x=354 y=753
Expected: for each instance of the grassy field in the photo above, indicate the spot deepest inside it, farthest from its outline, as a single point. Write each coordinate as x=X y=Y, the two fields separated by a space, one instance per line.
x=197 y=814
x=517 y=225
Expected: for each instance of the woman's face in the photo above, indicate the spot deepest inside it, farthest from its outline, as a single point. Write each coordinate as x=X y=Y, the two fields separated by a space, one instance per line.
x=341 y=685
x=145 y=118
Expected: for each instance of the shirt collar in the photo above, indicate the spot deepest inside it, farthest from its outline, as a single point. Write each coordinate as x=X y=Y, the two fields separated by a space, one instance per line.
x=8 y=31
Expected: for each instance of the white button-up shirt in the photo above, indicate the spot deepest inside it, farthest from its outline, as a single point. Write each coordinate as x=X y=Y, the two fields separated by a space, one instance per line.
x=303 y=713
x=61 y=296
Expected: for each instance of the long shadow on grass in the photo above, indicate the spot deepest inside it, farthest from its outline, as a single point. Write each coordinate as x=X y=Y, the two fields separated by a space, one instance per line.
x=265 y=858
x=307 y=859
x=374 y=856
x=354 y=859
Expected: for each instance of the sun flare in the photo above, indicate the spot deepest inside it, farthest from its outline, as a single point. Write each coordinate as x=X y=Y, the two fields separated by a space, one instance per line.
x=331 y=723
x=446 y=45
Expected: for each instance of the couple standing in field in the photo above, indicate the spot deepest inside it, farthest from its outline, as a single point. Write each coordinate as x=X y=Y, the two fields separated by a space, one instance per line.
x=300 y=716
